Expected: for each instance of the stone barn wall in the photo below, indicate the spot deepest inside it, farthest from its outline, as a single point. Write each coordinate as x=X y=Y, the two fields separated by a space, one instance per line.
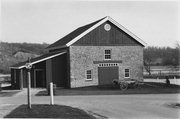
x=82 y=58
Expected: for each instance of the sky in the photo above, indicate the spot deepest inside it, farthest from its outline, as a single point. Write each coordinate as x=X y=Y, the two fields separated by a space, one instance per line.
x=46 y=21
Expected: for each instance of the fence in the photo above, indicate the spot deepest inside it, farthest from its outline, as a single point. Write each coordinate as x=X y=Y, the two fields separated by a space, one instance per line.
x=161 y=73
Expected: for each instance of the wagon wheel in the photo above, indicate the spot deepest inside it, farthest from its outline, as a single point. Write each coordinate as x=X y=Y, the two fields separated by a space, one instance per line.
x=123 y=85
x=115 y=83
x=135 y=85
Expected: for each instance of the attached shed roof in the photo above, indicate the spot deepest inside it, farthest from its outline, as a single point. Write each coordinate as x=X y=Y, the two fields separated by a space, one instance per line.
x=37 y=59
x=82 y=31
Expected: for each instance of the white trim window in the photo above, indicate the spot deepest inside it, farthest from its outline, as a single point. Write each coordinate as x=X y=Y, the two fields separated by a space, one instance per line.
x=107 y=54
x=88 y=74
x=126 y=73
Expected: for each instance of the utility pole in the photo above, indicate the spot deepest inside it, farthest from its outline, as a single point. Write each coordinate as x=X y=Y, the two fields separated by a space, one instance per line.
x=28 y=67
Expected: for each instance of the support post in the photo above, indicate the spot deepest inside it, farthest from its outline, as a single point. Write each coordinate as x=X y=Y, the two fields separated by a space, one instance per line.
x=29 y=90
x=51 y=94
x=28 y=67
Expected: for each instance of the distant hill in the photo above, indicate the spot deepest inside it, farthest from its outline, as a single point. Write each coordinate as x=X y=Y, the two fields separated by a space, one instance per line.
x=12 y=53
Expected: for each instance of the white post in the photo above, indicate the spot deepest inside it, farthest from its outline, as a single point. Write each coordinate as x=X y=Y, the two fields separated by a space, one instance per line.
x=51 y=94
x=175 y=80
x=29 y=90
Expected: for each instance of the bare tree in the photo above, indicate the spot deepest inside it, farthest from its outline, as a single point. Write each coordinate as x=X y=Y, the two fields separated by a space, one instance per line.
x=177 y=45
x=147 y=65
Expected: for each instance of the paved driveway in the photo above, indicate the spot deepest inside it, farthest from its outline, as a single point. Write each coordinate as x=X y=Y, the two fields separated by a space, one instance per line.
x=112 y=106
x=126 y=106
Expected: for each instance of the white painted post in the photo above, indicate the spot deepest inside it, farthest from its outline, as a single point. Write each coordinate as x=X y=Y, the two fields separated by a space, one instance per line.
x=175 y=80
x=29 y=90
x=51 y=94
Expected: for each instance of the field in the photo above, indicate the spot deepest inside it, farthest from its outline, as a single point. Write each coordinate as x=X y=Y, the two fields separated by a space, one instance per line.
x=163 y=71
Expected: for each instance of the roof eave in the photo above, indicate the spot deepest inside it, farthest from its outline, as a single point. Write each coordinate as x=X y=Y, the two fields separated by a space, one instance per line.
x=86 y=32
x=127 y=31
x=56 y=47
x=95 y=26
x=15 y=68
x=101 y=22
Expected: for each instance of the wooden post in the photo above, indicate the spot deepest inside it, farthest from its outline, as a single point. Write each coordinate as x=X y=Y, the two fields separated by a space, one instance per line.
x=51 y=94
x=28 y=67
x=21 y=76
x=29 y=89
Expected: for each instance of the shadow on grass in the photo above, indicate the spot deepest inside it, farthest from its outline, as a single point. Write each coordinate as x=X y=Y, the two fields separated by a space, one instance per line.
x=48 y=111
x=146 y=88
x=8 y=94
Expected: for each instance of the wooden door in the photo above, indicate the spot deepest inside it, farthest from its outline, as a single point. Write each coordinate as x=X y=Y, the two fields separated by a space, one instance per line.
x=107 y=74
x=40 y=79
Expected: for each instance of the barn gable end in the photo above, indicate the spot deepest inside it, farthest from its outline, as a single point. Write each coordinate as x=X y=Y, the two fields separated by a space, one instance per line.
x=113 y=37
x=118 y=35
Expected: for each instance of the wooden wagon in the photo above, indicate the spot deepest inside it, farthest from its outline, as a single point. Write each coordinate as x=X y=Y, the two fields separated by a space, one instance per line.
x=125 y=83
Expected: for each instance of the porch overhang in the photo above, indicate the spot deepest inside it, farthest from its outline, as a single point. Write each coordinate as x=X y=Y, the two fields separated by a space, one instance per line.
x=38 y=59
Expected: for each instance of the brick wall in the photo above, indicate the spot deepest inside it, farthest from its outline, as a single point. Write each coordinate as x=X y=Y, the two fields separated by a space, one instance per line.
x=82 y=57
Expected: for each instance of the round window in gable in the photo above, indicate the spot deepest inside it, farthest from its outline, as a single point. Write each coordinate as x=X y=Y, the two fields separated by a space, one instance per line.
x=107 y=27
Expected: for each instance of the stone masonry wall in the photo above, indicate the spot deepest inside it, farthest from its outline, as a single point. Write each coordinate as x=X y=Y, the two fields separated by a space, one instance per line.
x=82 y=57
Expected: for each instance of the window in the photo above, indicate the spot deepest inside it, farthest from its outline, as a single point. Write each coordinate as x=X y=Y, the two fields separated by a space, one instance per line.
x=89 y=75
x=108 y=64
x=107 y=27
x=107 y=55
x=127 y=73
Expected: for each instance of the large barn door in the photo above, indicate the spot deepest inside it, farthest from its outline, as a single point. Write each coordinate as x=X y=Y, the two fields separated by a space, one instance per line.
x=107 y=74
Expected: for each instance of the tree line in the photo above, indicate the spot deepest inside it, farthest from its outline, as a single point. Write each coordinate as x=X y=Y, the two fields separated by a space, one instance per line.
x=161 y=56
x=8 y=51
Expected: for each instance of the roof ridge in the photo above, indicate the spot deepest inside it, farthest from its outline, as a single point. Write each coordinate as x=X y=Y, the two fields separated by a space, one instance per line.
x=81 y=27
x=78 y=33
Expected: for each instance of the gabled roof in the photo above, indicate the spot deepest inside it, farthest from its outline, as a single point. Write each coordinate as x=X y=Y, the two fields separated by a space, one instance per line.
x=38 y=59
x=66 y=39
x=74 y=36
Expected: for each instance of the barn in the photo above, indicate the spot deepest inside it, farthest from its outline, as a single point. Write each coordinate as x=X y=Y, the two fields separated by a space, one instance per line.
x=93 y=54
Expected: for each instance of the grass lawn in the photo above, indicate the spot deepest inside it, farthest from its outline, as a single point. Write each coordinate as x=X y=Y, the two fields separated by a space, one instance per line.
x=146 y=88
x=48 y=111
